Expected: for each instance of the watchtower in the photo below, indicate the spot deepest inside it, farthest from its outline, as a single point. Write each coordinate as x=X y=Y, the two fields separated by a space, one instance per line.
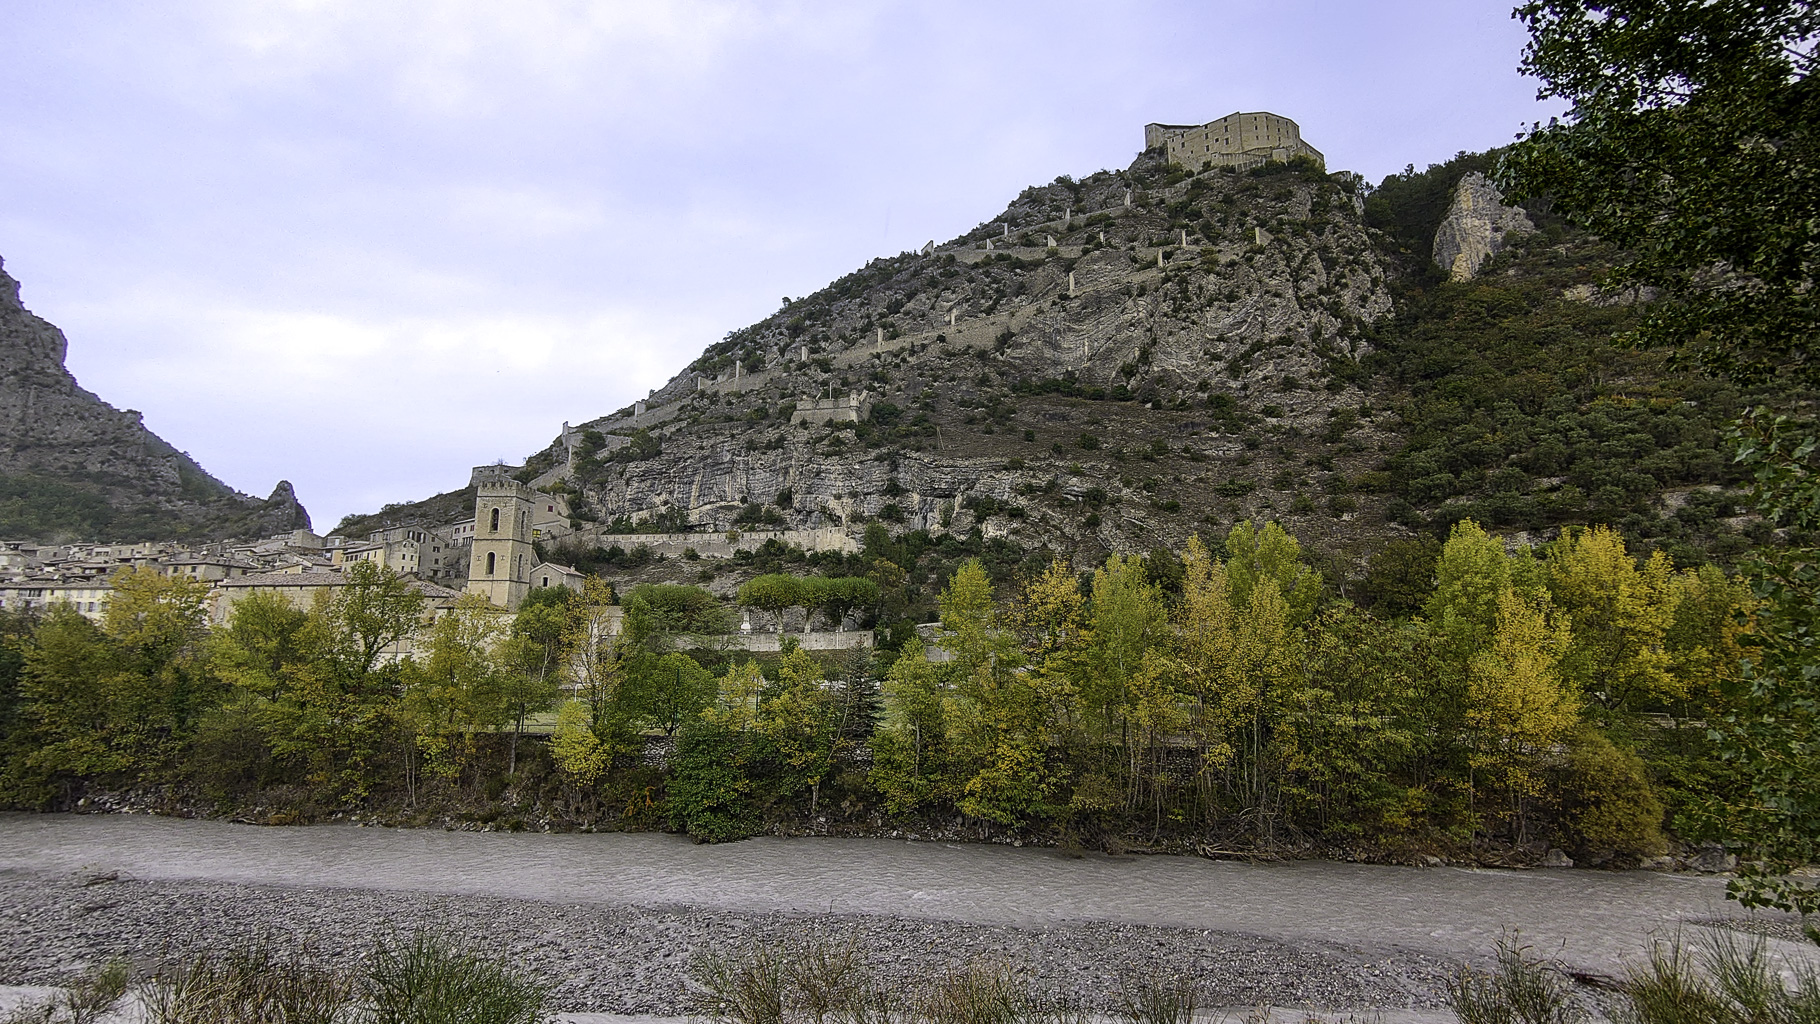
x=500 y=569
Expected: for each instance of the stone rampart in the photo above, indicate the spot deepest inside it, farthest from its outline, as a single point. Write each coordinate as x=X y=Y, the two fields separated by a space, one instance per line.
x=724 y=545
x=831 y=641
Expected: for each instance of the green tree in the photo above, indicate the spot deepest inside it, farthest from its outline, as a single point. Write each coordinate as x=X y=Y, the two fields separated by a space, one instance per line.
x=374 y=610
x=160 y=626
x=457 y=688
x=671 y=690
x=341 y=714
x=16 y=628
x=1271 y=552
x=846 y=595
x=910 y=746
x=798 y=717
x=532 y=655
x=1620 y=613
x=710 y=791
x=1206 y=635
x=772 y=593
x=67 y=709
x=1689 y=143
x=1518 y=705
x=593 y=662
x=1471 y=577
x=969 y=631
x=260 y=645
x=1611 y=808
x=1122 y=682
x=1371 y=726
x=659 y=615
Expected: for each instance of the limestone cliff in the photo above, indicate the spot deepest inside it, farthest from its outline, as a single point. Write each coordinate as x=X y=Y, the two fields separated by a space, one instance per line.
x=1114 y=362
x=73 y=467
x=1474 y=228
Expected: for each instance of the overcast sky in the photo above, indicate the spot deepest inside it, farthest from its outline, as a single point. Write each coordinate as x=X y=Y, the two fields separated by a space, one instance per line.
x=366 y=245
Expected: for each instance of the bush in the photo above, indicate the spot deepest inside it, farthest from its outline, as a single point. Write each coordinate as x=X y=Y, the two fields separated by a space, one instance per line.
x=1610 y=807
x=1732 y=981
x=709 y=794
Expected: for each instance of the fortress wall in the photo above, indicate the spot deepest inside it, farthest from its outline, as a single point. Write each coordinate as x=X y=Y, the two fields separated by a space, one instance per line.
x=718 y=545
x=830 y=641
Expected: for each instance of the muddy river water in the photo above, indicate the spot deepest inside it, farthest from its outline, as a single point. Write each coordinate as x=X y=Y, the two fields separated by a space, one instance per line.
x=1596 y=920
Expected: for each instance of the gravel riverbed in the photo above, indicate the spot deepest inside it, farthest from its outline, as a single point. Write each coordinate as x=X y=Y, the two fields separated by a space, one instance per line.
x=611 y=958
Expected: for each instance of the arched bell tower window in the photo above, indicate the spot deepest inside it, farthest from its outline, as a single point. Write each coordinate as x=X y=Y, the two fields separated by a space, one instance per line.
x=495 y=524
x=490 y=557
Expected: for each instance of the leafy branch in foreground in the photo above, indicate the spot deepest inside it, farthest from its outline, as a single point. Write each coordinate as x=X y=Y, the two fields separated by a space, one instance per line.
x=1691 y=143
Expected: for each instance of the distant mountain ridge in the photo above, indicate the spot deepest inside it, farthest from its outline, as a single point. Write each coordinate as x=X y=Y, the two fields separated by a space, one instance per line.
x=74 y=468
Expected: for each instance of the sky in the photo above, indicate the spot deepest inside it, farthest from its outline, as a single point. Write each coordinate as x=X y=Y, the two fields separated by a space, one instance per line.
x=366 y=246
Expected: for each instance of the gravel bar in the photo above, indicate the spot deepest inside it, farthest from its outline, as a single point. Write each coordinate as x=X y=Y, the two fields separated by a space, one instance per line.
x=619 y=959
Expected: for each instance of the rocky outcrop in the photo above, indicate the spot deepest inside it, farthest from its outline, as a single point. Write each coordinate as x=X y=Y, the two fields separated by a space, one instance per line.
x=73 y=467
x=1475 y=226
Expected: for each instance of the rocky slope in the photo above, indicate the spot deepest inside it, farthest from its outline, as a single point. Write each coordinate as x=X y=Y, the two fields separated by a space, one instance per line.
x=73 y=467
x=1110 y=363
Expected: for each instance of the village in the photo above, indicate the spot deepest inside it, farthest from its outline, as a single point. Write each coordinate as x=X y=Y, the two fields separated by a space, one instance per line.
x=491 y=554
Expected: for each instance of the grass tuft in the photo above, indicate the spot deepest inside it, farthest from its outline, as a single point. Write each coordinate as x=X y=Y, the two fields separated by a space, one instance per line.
x=1152 y=1000
x=1728 y=980
x=93 y=996
x=430 y=980
x=1518 y=990
x=250 y=985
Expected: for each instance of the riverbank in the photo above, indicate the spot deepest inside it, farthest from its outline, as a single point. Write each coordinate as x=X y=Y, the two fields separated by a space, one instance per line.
x=1706 y=858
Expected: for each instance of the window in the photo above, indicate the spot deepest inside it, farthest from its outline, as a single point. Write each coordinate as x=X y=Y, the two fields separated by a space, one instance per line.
x=495 y=526
x=490 y=557
x=546 y=581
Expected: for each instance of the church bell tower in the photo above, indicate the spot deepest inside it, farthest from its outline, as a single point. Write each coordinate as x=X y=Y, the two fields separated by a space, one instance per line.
x=500 y=569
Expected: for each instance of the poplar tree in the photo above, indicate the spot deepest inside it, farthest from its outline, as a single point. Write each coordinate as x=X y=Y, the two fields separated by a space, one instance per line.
x=1620 y=614
x=1517 y=703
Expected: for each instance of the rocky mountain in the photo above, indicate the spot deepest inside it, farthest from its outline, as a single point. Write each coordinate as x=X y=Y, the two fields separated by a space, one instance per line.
x=1111 y=362
x=1117 y=362
x=73 y=467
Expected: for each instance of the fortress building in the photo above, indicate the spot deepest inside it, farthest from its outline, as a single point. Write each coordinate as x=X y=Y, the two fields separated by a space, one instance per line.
x=1240 y=141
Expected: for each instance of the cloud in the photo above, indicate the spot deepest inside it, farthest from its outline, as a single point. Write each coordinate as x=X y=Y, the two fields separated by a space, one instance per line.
x=349 y=409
